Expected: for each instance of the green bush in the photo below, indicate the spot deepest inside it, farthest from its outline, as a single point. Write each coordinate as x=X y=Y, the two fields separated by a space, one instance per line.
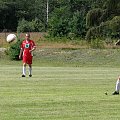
x=30 y=26
x=14 y=50
x=109 y=29
x=97 y=43
x=93 y=17
x=24 y=26
x=77 y=24
x=93 y=33
x=115 y=26
x=60 y=28
x=59 y=22
x=105 y=21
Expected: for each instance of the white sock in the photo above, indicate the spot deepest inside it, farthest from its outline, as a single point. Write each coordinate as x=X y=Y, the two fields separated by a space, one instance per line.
x=24 y=70
x=30 y=70
x=118 y=85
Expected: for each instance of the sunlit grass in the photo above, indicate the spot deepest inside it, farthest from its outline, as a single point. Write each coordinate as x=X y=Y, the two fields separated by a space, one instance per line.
x=58 y=93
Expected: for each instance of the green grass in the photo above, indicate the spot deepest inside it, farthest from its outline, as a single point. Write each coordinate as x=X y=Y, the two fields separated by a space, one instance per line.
x=59 y=93
x=77 y=57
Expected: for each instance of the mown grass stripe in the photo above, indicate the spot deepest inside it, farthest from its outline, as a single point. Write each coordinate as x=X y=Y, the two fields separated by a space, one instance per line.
x=59 y=93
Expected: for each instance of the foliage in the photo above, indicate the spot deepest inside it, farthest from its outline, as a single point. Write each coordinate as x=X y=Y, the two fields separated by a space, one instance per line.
x=77 y=24
x=32 y=26
x=97 y=3
x=104 y=22
x=14 y=50
x=8 y=19
x=97 y=43
x=69 y=16
x=65 y=16
x=105 y=29
x=93 y=17
x=24 y=26
x=13 y=11
x=59 y=22
x=115 y=26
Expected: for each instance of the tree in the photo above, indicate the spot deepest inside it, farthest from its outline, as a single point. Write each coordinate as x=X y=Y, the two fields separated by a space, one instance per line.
x=12 y=11
x=103 y=22
x=69 y=16
x=8 y=15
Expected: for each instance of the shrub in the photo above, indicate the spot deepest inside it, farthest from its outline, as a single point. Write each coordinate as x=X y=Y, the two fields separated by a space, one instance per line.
x=109 y=29
x=77 y=24
x=60 y=28
x=97 y=43
x=24 y=26
x=106 y=21
x=14 y=50
x=93 y=17
x=30 y=26
x=92 y=33
x=115 y=26
x=59 y=22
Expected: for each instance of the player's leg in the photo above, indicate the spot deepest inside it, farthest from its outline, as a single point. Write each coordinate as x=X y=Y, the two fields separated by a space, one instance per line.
x=30 y=70
x=29 y=62
x=117 y=87
x=24 y=70
x=24 y=66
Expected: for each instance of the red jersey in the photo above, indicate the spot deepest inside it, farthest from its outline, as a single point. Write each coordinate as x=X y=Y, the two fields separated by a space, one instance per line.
x=27 y=46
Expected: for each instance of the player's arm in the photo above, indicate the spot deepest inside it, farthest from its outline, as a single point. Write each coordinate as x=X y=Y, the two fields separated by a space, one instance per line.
x=34 y=47
x=21 y=52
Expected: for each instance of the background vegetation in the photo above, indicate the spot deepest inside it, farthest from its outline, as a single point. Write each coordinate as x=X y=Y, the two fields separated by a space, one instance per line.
x=83 y=18
x=94 y=21
x=69 y=82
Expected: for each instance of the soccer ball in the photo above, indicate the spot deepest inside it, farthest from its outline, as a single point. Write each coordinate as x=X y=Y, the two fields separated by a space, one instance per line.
x=11 y=38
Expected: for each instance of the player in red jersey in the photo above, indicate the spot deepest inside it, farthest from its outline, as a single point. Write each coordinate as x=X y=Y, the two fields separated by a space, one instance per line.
x=27 y=47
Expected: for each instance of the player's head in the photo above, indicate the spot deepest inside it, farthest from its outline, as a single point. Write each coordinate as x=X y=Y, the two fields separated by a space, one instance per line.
x=27 y=36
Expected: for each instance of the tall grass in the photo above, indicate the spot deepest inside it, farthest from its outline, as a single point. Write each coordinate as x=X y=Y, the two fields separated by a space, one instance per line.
x=45 y=41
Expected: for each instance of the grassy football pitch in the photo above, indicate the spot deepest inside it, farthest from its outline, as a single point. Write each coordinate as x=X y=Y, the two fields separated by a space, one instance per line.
x=59 y=93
